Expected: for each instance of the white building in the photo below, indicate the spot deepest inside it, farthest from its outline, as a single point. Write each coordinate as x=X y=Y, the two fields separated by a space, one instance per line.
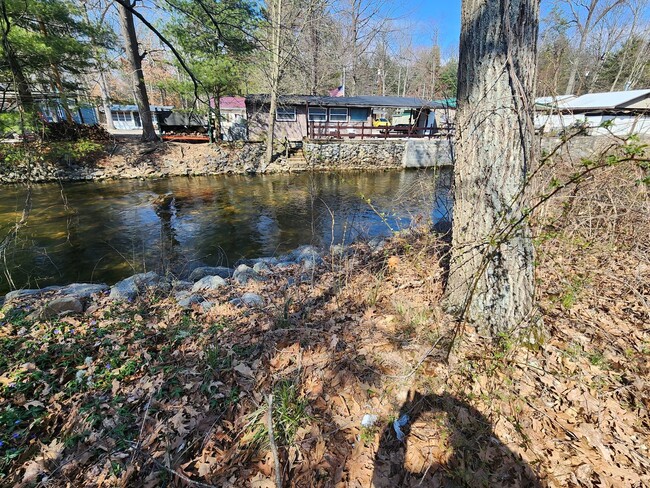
x=626 y=112
x=127 y=117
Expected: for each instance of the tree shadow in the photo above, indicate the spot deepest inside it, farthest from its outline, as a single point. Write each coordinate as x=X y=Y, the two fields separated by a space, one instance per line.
x=447 y=443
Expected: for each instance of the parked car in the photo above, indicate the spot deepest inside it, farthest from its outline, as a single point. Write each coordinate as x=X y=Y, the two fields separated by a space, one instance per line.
x=404 y=128
x=380 y=123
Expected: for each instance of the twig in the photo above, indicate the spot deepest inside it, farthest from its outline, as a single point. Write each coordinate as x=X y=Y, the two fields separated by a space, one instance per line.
x=417 y=366
x=187 y=479
x=274 y=447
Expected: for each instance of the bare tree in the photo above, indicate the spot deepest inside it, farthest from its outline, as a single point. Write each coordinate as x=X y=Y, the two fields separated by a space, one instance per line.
x=585 y=16
x=135 y=62
x=491 y=271
x=363 y=21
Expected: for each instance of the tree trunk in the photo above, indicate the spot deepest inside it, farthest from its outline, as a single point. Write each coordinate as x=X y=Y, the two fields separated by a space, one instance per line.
x=217 y=115
x=135 y=63
x=491 y=281
x=275 y=78
x=25 y=97
x=106 y=100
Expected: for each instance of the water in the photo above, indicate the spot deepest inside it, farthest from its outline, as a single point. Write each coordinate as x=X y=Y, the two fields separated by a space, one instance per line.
x=105 y=231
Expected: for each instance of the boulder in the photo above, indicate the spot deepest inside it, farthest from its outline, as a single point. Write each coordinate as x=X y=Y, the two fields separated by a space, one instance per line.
x=308 y=256
x=243 y=274
x=252 y=300
x=60 y=306
x=13 y=295
x=189 y=299
x=261 y=267
x=131 y=287
x=209 y=283
x=204 y=271
x=83 y=290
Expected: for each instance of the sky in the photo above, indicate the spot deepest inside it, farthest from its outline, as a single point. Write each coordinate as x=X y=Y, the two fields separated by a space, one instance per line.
x=443 y=15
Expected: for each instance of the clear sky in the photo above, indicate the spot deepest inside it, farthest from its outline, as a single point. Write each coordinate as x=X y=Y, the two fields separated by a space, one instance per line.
x=442 y=15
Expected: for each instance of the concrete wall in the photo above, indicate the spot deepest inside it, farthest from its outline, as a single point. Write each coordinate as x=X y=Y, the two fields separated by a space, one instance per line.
x=373 y=154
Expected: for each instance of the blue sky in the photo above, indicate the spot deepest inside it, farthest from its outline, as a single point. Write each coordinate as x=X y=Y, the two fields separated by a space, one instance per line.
x=444 y=15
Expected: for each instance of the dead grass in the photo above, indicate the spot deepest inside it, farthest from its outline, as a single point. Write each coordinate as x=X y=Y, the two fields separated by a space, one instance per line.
x=168 y=397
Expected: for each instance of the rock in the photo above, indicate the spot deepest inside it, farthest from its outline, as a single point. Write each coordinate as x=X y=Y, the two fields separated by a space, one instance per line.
x=187 y=301
x=83 y=290
x=181 y=285
x=61 y=306
x=252 y=300
x=243 y=274
x=261 y=267
x=209 y=283
x=377 y=244
x=250 y=262
x=285 y=264
x=206 y=306
x=12 y=295
x=204 y=271
x=130 y=287
x=307 y=255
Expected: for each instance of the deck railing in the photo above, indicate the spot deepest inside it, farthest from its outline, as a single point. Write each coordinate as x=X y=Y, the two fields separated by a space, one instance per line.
x=335 y=130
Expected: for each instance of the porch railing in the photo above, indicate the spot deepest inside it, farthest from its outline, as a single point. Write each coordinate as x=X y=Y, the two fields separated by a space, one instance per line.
x=335 y=130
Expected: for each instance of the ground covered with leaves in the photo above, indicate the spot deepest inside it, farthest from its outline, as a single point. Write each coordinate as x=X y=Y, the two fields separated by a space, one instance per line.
x=148 y=394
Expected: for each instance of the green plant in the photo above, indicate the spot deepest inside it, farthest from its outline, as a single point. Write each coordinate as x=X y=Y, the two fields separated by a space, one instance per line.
x=290 y=412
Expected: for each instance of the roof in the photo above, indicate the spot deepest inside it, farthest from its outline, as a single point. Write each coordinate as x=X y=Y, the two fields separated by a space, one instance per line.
x=134 y=108
x=360 y=101
x=232 y=102
x=555 y=100
x=604 y=101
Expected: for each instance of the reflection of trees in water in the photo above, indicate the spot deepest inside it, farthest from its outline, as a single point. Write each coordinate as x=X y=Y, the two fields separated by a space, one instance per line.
x=111 y=230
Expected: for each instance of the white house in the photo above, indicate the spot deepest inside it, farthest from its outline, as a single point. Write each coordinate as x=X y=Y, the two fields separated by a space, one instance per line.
x=628 y=112
x=127 y=117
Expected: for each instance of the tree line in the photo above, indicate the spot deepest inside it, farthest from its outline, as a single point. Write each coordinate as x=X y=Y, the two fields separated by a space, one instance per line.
x=186 y=52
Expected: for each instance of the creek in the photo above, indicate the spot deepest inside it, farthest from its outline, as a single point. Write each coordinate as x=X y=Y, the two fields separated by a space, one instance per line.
x=103 y=231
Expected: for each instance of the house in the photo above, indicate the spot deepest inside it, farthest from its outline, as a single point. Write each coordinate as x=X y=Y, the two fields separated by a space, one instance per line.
x=127 y=117
x=233 y=118
x=624 y=112
x=50 y=106
x=318 y=117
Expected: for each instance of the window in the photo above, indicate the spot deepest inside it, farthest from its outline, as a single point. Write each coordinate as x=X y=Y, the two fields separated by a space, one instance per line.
x=359 y=114
x=285 y=114
x=338 y=115
x=317 y=114
x=122 y=116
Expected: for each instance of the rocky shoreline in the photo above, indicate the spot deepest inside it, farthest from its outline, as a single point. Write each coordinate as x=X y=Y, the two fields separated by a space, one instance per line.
x=196 y=289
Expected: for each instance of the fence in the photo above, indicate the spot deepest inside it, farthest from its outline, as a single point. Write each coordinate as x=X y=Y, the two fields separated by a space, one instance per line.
x=331 y=130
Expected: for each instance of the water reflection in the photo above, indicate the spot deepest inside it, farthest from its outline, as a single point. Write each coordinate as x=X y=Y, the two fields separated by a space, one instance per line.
x=104 y=231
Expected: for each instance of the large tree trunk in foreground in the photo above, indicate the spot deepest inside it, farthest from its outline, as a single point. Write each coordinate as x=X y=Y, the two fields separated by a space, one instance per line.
x=135 y=63
x=491 y=272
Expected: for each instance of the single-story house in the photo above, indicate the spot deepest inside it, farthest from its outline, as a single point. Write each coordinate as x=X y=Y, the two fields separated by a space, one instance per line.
x=626 y=112
x=311 y=116
x=127 y=117
x=233 y=118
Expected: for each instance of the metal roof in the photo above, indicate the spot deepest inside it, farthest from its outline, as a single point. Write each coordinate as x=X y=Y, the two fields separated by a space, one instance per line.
x=554 y=100
x=134 y=108
x=608 y=100
x=360 y=101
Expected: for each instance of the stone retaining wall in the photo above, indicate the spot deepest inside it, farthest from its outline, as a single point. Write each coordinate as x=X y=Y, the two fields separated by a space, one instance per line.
x=134 y=160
